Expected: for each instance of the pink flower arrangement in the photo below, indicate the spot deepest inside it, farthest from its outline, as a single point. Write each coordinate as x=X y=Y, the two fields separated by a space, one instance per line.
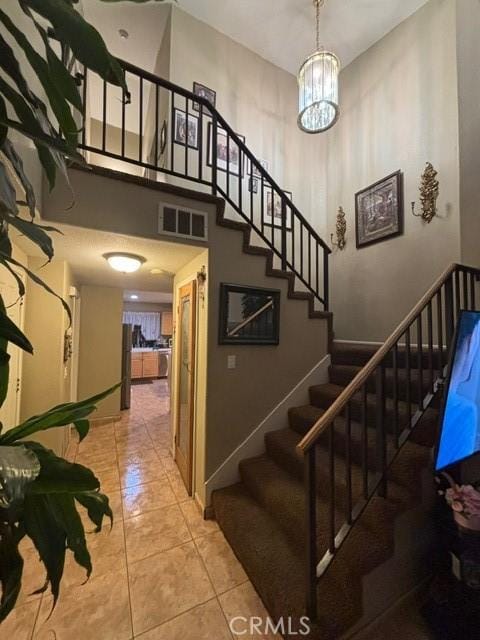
x=464 y=501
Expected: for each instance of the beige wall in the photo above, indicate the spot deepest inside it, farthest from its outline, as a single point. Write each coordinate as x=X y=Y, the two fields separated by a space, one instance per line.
x=182 y=277
x=258 y=99
x=113 y=143
x=399 y=109
x=159 y=307
x=468 y=55
x=100 y=360
x=46 y=378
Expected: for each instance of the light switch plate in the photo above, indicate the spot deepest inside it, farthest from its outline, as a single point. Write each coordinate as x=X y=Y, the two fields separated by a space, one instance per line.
x=231 y=362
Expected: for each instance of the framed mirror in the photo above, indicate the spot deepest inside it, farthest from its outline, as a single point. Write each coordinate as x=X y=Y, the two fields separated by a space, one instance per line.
x=249 y=315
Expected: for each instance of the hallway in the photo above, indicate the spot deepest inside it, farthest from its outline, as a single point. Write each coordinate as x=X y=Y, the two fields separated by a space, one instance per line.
x=162 y=572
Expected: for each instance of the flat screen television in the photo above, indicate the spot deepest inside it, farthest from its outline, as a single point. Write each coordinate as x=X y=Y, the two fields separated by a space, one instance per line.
x=460 y=424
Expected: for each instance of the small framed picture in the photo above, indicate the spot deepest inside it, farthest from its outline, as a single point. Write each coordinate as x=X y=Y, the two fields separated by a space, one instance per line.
x=163 y=137
x=204 y=92
x=255 y=172
x=272 y=215
x=228 y=153
x=253 y=185
x=181 y=132
x=379 y=210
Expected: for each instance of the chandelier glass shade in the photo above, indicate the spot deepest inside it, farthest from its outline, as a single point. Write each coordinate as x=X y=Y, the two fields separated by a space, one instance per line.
x=318 y=88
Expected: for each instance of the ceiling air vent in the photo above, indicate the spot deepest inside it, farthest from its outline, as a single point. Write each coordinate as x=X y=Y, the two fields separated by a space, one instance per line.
x=182 y=222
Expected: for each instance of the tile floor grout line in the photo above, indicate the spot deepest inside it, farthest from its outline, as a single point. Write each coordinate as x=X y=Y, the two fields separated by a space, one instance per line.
x=37 y=615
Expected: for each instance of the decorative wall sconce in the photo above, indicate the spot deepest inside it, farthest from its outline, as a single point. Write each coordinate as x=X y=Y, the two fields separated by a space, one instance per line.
x=201 y=280
x=429 y=190
x=341 y=230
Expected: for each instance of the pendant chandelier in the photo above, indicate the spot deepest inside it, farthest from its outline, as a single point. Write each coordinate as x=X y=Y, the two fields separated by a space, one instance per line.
x=318 y=87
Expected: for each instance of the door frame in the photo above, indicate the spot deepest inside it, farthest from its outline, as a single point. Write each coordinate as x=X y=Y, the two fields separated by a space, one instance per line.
x=189 y=464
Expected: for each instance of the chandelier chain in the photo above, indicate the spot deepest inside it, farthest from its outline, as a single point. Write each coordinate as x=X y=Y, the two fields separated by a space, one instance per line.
x=318 y=5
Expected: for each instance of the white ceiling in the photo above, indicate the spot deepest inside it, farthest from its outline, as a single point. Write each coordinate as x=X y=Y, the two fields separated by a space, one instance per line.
x=147 y=296
x=83 y=249
x=281 y=31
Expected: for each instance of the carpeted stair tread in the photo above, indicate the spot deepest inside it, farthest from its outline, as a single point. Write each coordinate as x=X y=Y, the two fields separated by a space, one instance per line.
x=270 y=562
x=323 y=395
x=342 y=375
x=283 y=496
x=301 y=419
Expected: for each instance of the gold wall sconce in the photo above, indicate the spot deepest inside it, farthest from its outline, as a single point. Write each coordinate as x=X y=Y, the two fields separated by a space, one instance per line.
x=340 y=230
x=201 y=280
x=429 y=190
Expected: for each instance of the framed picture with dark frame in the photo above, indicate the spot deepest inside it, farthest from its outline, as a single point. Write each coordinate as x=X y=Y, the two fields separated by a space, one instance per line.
x=204 y=92
x=249 y=315
x=181 y=131
x=379 y=210
x=228 y=152
x=272 y=209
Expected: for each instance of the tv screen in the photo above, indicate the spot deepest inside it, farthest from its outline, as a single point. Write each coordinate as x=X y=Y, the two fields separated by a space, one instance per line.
x=460 y=428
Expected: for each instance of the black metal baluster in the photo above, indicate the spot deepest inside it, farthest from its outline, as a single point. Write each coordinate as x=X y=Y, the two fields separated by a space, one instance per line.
x=155 y=162
x=326 y=281
x=214 y=154
x=472 y=291
x=331 y=473
x=301 y=249
x=395 y=395
x=311 y=531
x=124 y=106
x=200 y=143
x=317 y=268
x=104 y=116
x=449 y=312
x=365 y=441
x=262 y=204
x=430 y=345
x=457 y=295
x=348 y=463
x=408 y=375
x=309 y=259
x=228 y=165
x=381 y=441
x=440 y=329
x=140 y=123
x=465 y=289
x=420 y=361
x=284 y=233
x=187 y=139
x=172 y=128
x=240 y=177
x=84 y=106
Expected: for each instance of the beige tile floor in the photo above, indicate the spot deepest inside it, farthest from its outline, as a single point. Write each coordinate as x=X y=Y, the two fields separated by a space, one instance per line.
x=162 y=572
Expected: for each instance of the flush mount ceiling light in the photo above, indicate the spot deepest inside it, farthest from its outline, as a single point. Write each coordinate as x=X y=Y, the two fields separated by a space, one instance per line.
x=124 y=262
x=134 y=296
x=123 y=33
x=318 y=86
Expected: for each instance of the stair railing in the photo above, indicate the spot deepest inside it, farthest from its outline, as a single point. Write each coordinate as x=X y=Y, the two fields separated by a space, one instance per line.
x=159 y=127
x=420 y=346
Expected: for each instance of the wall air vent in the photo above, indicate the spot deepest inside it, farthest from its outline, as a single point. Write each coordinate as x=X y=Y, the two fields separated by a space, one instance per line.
x=182 y=222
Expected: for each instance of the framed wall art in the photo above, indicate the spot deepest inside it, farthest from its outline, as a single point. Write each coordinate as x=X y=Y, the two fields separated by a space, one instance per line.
x=249 y=315
x=181 y=131
x=379 y=210
x=204 y=92
x=272 y=214
x=228 y=152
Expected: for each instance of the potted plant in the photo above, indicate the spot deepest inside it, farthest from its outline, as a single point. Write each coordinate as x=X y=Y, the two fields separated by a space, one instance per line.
x=40 y=491
x=464 y=501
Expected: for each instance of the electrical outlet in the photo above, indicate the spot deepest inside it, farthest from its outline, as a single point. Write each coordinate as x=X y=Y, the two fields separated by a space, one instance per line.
x=231 y=362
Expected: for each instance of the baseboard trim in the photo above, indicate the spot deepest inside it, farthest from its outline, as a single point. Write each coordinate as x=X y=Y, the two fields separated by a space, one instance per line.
x=227 y=472
x=99 y=422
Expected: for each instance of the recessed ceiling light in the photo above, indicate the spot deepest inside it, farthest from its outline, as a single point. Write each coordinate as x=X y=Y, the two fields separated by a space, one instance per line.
x=124 y=262
x=123 y=33
x=134 y=296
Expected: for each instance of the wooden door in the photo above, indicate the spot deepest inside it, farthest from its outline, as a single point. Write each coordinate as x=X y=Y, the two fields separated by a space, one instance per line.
x=185 y=341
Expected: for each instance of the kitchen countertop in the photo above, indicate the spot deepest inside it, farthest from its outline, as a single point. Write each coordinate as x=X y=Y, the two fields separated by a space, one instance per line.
x=150 y=349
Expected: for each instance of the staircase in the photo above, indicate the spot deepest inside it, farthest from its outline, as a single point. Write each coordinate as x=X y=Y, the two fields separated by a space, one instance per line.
x=263 y=517
x=316 y=513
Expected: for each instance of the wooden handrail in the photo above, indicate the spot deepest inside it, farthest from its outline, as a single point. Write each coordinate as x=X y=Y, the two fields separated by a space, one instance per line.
x=337 y=407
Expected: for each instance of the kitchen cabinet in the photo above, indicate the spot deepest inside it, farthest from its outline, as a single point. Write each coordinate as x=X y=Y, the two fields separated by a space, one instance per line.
x=167 y=323
x=150 y=364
